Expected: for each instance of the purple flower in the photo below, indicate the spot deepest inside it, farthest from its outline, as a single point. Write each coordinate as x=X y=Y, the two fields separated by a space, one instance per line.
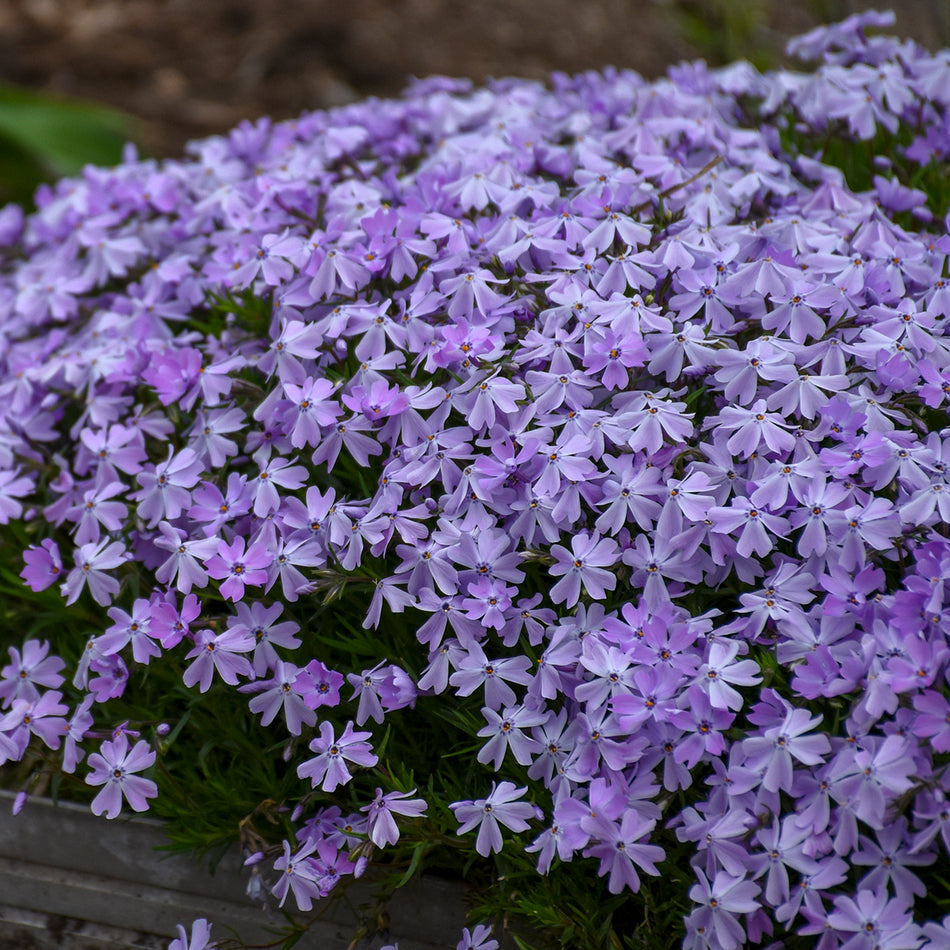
x=475 y=669
x=237 y=567
x=505 y=731
x=261 y=623
x=487 y=601
x=722 y=901
x=620 y=850
x=753 y=525
x=890 y=858
x=479 y=938
x=213 y=509
x=92 y=561
x=114 y=767
x=208 y=439
x=300 y=875
x=182 y=567
x=585 y=563
x=722 y=671
x=12 y=487
x=95 y=510
x=875 y=921
x=165 y=490
x=39 y=717
x=134 y=628
x=702 y=724
x=75 y=732
x=44 y=566
x=381 y=824
x=775 y=750
x=281 y=693
x=501 y=807
x=29 y=670
x=319 y=685
x=366 y=687
x=220 y=652
x=311 y=408
x=277 y=471
x=754 y=427
x=328 y=769
x=200 y=935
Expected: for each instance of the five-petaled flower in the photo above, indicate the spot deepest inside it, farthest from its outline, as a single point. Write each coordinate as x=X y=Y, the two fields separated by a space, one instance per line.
x=114 y=767
x=501 y=807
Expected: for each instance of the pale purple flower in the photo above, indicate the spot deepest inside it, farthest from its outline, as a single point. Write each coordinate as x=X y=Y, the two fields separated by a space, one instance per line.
x=311 y=408
x=261 y=622
x=92 y=561
x=877 y=923
x=280 y=692
x=165 y=490
x=328 y=769
x=41 y=717
x=222 y=652
x=114 y=767
x=479 y=938
x=585 y=563
x=275 y=472
x=199 y=939
x=621 y=851
x=319 y=685
x=475 y=669
x=366 y=687
x=29 y=670
x=134 y=628
x=722 y=672
x=300 y=875
x=890 y=859
x=753 y=524
x=208 y=439
x=237 y=567
x=381 y=824
x=501 y=807
x=754 y=427
x=721 y=902
x=95 y=511
x=505 y=731
x=181 y=568
x=702 y=724
x=44 y=566
x=75 y=732
x=789 y=740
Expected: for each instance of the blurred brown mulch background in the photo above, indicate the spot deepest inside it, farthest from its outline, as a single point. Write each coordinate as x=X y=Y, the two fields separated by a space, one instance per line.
x=188 y=68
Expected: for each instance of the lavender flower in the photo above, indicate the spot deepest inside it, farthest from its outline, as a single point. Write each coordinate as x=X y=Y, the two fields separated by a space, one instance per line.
x=586 y=398
x=382 y=825
x=720 y=904
x=501 y=807
x=584 y=564
x=92 y=561
x=200 y=935
x=221 y=653
x=114 y=767
x=328 y=769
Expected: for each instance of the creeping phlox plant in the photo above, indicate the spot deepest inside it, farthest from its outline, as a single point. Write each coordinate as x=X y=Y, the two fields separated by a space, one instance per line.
x=550 y=480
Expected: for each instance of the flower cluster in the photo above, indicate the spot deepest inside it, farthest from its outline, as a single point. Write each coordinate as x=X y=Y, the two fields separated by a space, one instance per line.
x=619 y=397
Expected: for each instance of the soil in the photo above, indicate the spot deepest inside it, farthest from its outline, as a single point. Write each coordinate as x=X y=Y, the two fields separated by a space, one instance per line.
x=188 y=68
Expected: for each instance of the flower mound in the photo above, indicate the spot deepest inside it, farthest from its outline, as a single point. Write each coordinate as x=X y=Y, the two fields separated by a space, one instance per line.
x=622 y=398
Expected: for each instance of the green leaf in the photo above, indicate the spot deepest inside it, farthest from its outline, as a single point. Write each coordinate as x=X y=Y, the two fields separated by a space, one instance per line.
x=417 y=853
x=44 y=136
